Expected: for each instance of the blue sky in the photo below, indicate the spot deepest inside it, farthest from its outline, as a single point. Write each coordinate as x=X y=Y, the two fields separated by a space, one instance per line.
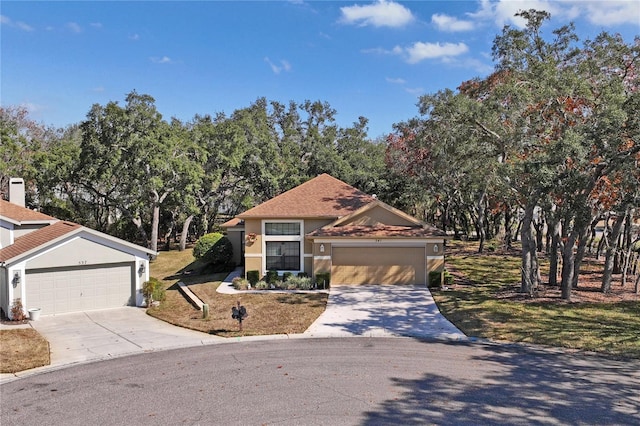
x=371 y=59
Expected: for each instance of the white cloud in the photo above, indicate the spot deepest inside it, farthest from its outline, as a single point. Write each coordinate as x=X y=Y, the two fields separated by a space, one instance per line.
x=420 y=51
x=503 y=12
x=396 y=80
x=74 y=27
x=5 y=20
x=278 y=68
x=161 y=60
x=134 y=37
x=450 y=23
x=414 y=90
x=613 y=12
x=382 y=13
x=96 y=24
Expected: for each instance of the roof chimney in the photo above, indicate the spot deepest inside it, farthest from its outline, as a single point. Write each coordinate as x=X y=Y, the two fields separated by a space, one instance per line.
x=16 y=191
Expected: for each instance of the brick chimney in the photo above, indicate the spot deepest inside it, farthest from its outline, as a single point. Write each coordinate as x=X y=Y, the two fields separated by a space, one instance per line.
x=16 y=191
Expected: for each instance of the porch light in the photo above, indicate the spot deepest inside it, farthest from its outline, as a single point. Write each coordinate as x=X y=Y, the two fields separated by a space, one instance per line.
x=142 y=268
x=321 y=248
x=16 y=278
x=435 y=248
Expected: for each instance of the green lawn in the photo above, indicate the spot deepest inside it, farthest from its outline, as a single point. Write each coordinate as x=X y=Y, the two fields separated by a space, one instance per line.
x=484 y=305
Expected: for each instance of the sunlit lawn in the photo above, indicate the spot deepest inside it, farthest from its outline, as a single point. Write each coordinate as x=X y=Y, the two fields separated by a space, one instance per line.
x=478 y=310
x=269 y=313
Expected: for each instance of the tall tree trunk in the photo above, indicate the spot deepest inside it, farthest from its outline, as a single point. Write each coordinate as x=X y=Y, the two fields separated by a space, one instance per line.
x=539 y=227
x=628 y=243
x=604 y=240
x=185 y=232
x=611 y=253
x=157 y=201
x=554 y=228
x=480 y=221
x=529 y=251
x=582 y=248
x=508 y=236
x=568 y=259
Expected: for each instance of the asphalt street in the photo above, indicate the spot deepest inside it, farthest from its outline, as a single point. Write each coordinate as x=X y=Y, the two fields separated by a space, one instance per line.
x=334 y=381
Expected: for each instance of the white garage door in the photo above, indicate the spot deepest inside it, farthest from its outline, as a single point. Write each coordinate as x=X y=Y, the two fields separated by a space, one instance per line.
x=377 y=265
x=60 y=290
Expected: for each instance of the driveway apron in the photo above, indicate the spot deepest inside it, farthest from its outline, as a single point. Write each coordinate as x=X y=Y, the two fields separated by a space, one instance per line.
x=97 y=335
x=382 y=310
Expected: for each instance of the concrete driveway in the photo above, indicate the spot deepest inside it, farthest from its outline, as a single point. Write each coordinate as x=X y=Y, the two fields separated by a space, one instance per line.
x=373 y=311
x=382 y=310
x=97 y=335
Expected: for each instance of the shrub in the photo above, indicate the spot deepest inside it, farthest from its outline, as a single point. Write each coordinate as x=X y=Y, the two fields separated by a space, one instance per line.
x=271 y=277
x=303 y=274
x=300 y=283
x=17 y=311
x=261 y=285
x=323 y=279
x=287 y=275
x=240 y=283
x=448 y=278
x=214 y=248
x=435 y=278
x=253 y=276
x=153 y=290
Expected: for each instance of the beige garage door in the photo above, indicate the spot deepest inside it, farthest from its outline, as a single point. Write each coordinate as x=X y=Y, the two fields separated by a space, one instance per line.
x=76 y=289
x=373 y=265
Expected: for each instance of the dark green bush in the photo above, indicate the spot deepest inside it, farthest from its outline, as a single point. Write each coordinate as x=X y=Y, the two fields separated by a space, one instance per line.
x=286 y=276
x=271 y=277
x=323 y=279
x=302 y=275
x=253 y=277
x=214 y=248
x=435 y=278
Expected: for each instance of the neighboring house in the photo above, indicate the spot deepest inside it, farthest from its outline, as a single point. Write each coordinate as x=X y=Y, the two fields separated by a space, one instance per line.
x=61 y=266
x=326 y=225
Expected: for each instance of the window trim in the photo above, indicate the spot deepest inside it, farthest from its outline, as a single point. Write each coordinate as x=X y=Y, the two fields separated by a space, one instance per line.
x=283 y=238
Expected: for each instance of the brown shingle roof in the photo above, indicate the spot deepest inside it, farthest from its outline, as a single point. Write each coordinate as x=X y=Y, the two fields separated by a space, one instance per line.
x=37 y=238
x=21 y=214
x=322 y=197
x=378 y=231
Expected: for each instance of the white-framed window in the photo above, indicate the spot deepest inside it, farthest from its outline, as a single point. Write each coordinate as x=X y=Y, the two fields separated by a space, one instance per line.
x=283 y=245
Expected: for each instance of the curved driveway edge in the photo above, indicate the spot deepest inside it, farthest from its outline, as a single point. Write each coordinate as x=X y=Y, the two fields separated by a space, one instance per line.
x=367 y=311
x=77 y=338
x=383 y=310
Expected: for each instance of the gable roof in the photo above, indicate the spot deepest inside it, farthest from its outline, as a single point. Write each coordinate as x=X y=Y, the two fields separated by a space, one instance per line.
x=342 y=227
x=321 y=197
x=37 y=239
x=372 y=205
x=19 y=215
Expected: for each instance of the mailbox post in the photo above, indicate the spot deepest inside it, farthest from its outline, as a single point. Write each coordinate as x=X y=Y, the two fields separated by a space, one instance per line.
x=239 y=313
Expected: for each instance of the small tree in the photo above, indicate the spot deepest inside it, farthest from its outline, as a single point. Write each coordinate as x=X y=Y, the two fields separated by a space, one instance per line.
x=153 y=290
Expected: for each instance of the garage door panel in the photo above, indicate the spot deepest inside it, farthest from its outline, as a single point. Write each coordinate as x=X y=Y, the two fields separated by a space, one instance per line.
x=76 y=289
x=369 y=265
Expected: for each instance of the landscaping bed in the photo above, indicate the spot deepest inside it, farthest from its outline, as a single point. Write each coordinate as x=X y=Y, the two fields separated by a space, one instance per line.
x=269 y=313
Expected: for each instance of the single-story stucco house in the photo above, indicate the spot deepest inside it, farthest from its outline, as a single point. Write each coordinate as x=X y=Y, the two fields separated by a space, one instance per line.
x=326 y=225
x=59 y=266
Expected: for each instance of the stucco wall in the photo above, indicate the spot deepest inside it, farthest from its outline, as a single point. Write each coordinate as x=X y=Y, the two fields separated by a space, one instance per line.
x=379 y=215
